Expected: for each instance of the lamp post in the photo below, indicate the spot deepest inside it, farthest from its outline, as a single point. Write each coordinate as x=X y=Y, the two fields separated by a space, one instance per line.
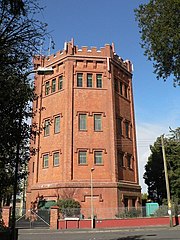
x=92 y=208
x=39 y=71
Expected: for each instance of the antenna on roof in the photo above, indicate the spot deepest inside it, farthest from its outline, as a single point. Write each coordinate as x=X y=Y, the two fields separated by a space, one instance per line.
x=51 y=45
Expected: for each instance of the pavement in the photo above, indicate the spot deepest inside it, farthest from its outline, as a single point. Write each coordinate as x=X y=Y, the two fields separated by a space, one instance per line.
x=119 y=229
x=134 y=233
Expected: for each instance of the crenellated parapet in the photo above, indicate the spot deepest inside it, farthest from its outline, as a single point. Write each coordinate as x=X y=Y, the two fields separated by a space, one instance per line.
x=108 y=51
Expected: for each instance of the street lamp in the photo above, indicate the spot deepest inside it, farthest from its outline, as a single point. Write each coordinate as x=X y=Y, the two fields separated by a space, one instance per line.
x=43 y=71
x=92 y=209
x=39 y=71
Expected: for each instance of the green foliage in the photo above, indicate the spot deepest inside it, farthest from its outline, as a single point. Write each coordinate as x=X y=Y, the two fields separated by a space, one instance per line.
x=129 y=213
x=69 y=207
x=159 y=25
x=144 y=197
x=154 y=169
x=162 y=211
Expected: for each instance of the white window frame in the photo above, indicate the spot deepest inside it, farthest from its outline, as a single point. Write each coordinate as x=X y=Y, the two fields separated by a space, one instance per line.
x=45 y=160
x=82 y=122
x=53 y=85
x=46 y=127
x=56 y=159
x=99 y=80
x=79 y=79
x=97 y=122
x=98 y=155
x=82 y=157
x=89 y=79
x=57 y=124
x=60 y=82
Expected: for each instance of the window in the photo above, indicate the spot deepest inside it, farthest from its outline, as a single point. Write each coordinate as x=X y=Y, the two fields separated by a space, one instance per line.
x=33 y=167
x=60 y=83
x=121 y=88
x=53 y=86
x=127 y=129
x=121 y=159
x=119 y=126
x=116 y=85
x=82 y=157
x=97 y=122
x=79 y=80
x=47 y=88
x=45 y=161
x=98 y=157
x=99 y=80
x=129 y=163
x=56 y=159
x=89 y=80
x=125 y=91
x=46 y=127
x=82 y=122
x=57 y=124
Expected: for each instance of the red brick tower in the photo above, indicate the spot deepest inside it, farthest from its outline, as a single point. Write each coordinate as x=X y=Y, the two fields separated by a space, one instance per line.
x=85 y=119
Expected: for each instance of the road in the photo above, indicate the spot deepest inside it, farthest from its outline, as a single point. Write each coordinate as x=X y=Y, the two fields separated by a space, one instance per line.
x=163 y=233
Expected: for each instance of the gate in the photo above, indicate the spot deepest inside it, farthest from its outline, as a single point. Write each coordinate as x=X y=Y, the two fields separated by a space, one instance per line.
x=34 y=219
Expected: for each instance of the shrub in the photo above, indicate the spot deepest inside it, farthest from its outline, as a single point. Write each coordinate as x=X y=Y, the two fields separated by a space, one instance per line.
x=69 y=207
x=129 y=213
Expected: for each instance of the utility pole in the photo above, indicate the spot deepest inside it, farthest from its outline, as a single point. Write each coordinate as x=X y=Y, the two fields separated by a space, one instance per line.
x=167 y=183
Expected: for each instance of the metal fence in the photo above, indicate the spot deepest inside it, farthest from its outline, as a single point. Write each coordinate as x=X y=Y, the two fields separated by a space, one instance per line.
x=121 y=213
x=32 y=219
x=99 y=213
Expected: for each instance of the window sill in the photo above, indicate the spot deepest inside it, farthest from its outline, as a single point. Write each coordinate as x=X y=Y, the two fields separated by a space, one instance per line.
x=57 y=132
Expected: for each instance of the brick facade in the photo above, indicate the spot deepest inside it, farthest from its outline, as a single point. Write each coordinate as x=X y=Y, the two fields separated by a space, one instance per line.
x=90 y=95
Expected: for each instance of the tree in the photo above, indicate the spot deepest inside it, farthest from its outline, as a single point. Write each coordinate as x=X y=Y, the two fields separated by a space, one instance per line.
x=20 y=37
x=173 y=156
x=154 y=169
x=154 y=175
x=16 y=6
x=69 y=207
x=159 y=26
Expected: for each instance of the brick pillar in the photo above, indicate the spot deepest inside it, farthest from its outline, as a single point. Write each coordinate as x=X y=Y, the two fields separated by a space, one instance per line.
x=54 y=215
x=6 y=213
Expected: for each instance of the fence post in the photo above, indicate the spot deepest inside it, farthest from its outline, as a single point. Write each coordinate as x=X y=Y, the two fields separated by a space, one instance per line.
x=6 y=213
x=54 y=216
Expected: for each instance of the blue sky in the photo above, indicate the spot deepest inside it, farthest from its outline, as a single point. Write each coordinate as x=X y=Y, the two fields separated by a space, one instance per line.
x=97 y=22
